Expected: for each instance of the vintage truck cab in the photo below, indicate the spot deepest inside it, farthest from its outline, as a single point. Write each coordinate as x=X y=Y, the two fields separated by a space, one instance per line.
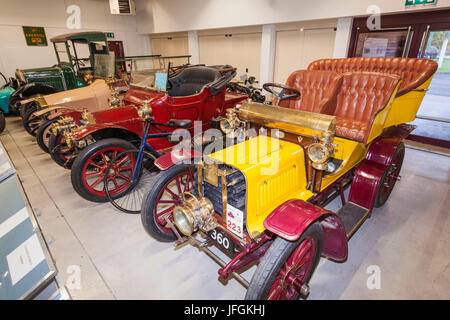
x=77 y=55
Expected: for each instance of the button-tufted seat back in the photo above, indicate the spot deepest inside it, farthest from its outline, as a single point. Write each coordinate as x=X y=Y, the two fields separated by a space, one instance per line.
x=361 y=97
x=413 y=72
x=318 y=91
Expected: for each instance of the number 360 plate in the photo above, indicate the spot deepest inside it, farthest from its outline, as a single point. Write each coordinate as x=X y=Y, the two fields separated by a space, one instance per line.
x=222 y=240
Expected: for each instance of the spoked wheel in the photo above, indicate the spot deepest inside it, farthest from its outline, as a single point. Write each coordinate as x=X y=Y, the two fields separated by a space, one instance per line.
x=60 y=152
x=286 y=268
x=390 y=176
x=31 y=122
x=2 y=122
x=166 y=193
x=15 y=105
x=119 y=176
x=43 y=135
x=89 y=168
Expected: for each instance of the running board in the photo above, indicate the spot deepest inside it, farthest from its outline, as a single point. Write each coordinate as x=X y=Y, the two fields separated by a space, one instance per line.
x=353 y=217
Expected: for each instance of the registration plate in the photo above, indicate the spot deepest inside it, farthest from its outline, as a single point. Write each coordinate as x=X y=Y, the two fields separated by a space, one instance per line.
x=222 y=240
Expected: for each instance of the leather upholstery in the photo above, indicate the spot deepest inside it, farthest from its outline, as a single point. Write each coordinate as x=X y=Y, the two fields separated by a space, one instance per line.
x=318 y=91
x=362 y=96
x=413 y=72
x=192 y=80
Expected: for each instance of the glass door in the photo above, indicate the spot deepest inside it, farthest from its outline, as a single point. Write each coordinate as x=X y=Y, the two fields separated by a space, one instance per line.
x=433 y=117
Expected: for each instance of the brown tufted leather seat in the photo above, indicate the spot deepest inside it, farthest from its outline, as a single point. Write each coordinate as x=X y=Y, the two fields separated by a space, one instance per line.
x=318 y=91
x=413 y=72
x=362 y=96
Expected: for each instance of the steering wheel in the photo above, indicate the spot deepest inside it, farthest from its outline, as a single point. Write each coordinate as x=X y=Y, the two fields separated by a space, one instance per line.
x=282 y=94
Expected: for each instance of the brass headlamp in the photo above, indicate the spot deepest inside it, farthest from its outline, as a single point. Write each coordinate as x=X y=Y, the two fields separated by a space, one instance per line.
x=320 y=152
x=230 y=124
x=113 y=100
x=194 y=214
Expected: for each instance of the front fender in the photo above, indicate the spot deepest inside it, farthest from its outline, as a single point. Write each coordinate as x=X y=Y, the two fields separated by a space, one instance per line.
x=293 y=217
x=34 y=88
x=90 y=129
x=169 y=159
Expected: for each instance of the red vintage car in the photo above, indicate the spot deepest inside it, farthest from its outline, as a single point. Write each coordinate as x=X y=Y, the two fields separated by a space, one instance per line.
x=196 y=93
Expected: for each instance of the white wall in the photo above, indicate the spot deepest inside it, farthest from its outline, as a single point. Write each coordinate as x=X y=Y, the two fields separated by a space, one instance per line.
x=157 y=16
x=51 y=14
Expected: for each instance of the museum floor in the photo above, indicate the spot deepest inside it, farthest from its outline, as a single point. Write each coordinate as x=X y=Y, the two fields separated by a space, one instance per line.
x=408 y=239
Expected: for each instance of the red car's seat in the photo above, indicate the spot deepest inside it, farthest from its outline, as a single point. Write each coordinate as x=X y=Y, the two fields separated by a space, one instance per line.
x=361 y=97
x=413 y=72
x=318 y=91
x=192 y=80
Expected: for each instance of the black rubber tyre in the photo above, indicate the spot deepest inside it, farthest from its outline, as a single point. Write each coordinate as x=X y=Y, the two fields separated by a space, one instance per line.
x=81 y=166
x=275 y=258
x=387 y=181
x=2 y=122
x=43 y=131
x=25 y=107
x=15 y=106
x=30 y=122
x=61 y=158
x=148 y=218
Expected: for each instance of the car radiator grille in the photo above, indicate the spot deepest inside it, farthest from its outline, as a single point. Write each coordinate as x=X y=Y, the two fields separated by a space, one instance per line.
x=236 y=191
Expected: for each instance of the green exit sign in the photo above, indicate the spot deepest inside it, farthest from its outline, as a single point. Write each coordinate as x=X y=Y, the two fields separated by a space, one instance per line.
x=110 y=35
x=419 y=3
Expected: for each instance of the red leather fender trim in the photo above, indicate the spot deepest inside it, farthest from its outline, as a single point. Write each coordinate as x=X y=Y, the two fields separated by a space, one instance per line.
x=293 y=217
x=177 y=155
x=365 y=183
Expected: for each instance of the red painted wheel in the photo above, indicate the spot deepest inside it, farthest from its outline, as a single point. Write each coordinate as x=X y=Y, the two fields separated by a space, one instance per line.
x=93 y=172
x=162 y=198
x=89 y=168
x=390 y=176
x=286 y=268
x=293 y=273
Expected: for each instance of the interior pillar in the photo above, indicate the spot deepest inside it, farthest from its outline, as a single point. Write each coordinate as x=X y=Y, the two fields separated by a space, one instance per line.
x=268 y=41
x=343 y=33
x=193 y=47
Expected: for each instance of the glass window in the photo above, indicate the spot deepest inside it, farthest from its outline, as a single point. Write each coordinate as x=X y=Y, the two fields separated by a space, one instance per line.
x=62 y=52
x=383 y=43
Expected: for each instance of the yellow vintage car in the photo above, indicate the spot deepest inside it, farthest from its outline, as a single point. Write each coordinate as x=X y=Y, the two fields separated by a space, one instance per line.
x=338 y=124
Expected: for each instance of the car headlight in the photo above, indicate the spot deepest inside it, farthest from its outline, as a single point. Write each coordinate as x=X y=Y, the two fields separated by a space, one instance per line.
x=318 y=153
x=184 y=220
x=227 y=126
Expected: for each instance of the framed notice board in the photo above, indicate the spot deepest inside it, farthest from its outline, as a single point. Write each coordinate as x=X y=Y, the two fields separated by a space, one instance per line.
x=35 y=36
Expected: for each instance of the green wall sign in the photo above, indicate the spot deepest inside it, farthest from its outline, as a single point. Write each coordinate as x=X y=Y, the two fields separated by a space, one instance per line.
x=419 y=3
x=35 y=36
x=110 y=35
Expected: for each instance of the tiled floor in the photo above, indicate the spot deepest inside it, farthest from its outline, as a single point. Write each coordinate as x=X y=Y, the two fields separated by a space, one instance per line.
x=408 y=239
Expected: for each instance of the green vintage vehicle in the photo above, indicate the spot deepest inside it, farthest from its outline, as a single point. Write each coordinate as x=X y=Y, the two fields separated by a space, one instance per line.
x=76 y=54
